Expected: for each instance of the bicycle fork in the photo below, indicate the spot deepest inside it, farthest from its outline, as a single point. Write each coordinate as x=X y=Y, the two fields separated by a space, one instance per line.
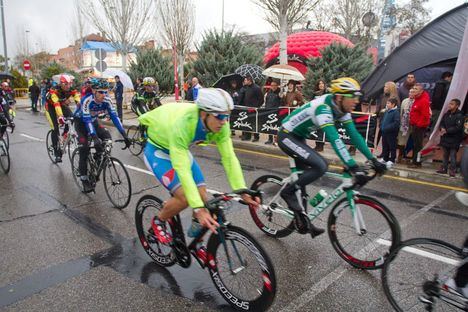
x=222 y=238
x=356 y=213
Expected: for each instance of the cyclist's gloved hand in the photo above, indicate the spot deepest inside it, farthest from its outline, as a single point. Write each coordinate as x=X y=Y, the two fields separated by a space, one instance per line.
x=61 y=120
x=359 y=175
x=97 y=142
x=378 y=166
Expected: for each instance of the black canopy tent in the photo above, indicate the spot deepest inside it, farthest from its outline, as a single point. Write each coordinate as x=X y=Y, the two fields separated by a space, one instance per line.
x=437 y=43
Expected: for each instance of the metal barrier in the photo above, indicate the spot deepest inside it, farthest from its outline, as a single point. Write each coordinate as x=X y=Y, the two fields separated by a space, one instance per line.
x=21 y=93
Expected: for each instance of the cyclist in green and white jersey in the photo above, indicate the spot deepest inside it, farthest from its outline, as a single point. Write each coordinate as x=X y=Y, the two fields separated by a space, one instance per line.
x=322 y=113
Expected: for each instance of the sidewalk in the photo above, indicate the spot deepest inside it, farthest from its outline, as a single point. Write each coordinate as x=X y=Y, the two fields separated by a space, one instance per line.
x=426 y=173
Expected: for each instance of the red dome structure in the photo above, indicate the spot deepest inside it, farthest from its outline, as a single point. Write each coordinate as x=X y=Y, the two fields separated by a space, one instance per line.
x=303 y=45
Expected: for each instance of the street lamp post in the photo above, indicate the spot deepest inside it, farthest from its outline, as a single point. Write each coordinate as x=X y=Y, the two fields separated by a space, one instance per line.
x=27 y=42
x=369 y=19
x=4 y=37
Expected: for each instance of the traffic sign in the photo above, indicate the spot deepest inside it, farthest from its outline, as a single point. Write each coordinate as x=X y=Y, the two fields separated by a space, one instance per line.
x=26 y=65
x=101 y=66
x=100 y=54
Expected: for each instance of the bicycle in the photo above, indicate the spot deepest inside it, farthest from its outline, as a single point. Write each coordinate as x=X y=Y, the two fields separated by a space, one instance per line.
x=415 y=278
x=4 y=156
x=115 y=176
x=230 y=253
x=137 y=135
x=66 y=144
x=354 y=223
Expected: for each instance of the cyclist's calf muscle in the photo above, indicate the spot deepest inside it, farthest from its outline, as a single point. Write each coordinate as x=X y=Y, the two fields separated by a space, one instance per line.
x=178 y=202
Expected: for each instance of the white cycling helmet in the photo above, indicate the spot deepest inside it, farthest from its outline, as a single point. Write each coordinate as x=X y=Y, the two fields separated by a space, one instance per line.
x=214 y=100
x=149 y=81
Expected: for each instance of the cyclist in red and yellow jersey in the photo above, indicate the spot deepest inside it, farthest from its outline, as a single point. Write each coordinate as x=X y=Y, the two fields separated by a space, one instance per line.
x=57 y=108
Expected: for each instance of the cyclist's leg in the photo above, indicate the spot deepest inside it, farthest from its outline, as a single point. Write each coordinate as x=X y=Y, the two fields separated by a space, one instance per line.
x=304 y=155
x=52 y=118
x=83 y=146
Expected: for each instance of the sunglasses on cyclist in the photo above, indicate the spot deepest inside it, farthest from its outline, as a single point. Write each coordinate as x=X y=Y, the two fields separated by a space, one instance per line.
x=102 y=91
x=221 y=117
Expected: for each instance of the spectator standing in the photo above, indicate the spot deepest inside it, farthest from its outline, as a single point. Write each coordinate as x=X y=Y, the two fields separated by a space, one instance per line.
x=403 y=90
x=138 y=84
x=272 y=100
x=43 y=93
x=451 y=130
x=439 y=94
x=389 y=128
x=404 y=133
x=34 y=92
x=390 y=91
x=293 y=97
x=320 y=89
x=250 y=95
x=192 y=92
x=234 y=91
x=118 y=94
x=420 y=119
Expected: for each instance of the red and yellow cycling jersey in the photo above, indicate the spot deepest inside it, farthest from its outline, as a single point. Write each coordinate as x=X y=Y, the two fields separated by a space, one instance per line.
x=57 y=97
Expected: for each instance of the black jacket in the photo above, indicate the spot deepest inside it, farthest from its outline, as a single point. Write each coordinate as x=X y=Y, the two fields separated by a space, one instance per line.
x=439 y=94
x=272 y=99
x=251 y=96
x=34 y=90
x=453 y=123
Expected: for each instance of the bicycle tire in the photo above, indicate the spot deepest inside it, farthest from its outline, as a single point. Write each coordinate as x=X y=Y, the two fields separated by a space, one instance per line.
x=75 y=161
x=270 y=185
x=134 y=134
x=335 y=230
x=265 y=280
x=72 y=145
x=111 y=168
x=147 y=239
x=4 y=157
x=425 y=255
x=6 y=138
x=50 y=147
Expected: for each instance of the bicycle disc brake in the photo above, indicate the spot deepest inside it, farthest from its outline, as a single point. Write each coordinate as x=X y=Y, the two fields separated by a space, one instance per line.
x=183 y=257
x=301 y=222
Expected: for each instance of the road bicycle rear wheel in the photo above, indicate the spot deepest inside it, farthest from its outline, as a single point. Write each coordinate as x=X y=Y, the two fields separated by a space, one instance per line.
x=368 y=247
x=147 y=209
x=4 y=157
x=50 y=146
x=134 y=134
x=117 y=183
x=241 y=270
x=415 y=277
x=273 y=218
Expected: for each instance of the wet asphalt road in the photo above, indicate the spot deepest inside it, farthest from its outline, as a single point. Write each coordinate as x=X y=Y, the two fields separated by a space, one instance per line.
x=63 y=250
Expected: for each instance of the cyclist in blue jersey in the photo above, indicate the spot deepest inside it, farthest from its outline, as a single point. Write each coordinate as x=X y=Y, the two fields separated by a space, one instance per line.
x=86 y=125
x=322 y=113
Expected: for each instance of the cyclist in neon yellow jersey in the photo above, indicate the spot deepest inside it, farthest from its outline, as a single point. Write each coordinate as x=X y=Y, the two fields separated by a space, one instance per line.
x=171 y=130
x=322 y=113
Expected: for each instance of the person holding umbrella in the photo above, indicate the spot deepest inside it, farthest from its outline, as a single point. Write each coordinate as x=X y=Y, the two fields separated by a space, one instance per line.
x=250 y=95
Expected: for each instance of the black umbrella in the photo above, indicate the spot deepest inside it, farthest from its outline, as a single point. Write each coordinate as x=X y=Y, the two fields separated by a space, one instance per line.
x=4 y=75
x=251 y=70
x=225 y=81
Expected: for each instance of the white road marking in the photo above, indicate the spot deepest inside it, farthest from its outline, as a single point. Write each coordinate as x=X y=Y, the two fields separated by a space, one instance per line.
x=31 y=137
x=301 y=302
x=422 y=253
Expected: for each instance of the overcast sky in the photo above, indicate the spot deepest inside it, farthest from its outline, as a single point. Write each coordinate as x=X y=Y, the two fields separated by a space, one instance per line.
x=48 y=21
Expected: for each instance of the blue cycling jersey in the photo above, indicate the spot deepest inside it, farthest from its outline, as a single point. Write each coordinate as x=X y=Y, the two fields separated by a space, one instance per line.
x=89 y=110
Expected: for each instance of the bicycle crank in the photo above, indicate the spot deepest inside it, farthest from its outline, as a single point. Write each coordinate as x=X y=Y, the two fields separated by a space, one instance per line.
x=182 y=253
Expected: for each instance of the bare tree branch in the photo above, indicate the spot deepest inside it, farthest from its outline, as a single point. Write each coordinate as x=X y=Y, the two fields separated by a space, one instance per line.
x=123 y=22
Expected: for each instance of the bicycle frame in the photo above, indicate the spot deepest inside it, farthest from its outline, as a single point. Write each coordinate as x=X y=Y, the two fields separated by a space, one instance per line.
x=105 y=159
x=345 y=188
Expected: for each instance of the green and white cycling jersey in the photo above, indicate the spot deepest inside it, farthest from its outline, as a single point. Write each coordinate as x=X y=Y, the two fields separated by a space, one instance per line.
x=318 y=114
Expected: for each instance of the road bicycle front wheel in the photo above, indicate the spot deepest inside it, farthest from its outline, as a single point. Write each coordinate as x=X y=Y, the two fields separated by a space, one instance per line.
x=117 y=183
x=75 y=164
x=273 y=216
x=72 y=145
x=241 y=270
x=50 y=146
x=415 y=278
x=6 y=138
x=147 y=209
x=134 y=134
x=365 y=236
x=4 y=157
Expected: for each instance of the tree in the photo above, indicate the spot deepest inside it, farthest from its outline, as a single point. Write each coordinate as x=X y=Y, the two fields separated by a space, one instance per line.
x=177 y=26
x=19 y=80
x=221 y=53
x=283 y=15
x=337 y=61
x=123 y=22
x=78 y=29
x=346 y=18
x=412 y=15
x=152 y=63
x=52 y=69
